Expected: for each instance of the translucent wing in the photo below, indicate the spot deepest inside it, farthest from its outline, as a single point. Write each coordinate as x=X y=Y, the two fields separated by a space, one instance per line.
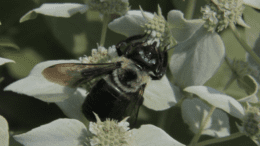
x=73 y=74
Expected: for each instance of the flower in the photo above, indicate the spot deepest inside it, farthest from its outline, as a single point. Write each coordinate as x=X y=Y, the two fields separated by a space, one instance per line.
x=198 y=54
x=68 y=132
x=194 y=111
x=195 y=59
x=249 y=117
x=218 y=14
x=51 y=84
x=4 y=135
x=66 y=10
x=250 y=123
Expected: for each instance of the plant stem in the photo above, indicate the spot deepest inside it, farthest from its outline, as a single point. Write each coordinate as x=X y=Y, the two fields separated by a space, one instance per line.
x=190 y=9
x=217 y=140
x=202 y=126
x=106 y=19
x=232 y=78
x=244 y=44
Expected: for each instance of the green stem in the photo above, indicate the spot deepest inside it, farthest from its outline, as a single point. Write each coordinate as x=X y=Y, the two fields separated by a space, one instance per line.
x=190 y=9
x=202 y=126
x=162 y=121
x=244 y=44
x=217 y=140
x=232 y=78
x=106 y=19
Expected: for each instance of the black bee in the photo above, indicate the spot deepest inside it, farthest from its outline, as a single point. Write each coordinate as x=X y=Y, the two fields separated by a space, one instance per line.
x=119 y=93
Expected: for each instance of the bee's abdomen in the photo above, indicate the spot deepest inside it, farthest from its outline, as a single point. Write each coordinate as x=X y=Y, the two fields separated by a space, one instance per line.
x=106 y=101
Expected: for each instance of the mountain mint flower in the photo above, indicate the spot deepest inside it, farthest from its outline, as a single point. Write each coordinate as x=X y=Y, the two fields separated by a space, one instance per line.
x=70 y=132
x=110 y=132
x=158 y=28
x=251 y=123
x=4 y=134
x=57 y=84
x=194 y=111
x=218 y=14
x=198 y=54
x=66 y=10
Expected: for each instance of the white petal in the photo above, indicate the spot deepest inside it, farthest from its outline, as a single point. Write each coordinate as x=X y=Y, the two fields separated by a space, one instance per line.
x=61 y=132
x=242 y=22
x=71 y=107
x=195 y=60
x=4 y=60
x=129 y=24
x=252 y=3
x=56 y=10
x=37 y=86
x=194 y=111
x=149 y=135
x=4 y=134
x=159 y=95
x=181 y=28
x=218 y=99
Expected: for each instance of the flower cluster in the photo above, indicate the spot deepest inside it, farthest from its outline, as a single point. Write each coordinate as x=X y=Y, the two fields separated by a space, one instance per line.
x=120 y=81
x=219 y=13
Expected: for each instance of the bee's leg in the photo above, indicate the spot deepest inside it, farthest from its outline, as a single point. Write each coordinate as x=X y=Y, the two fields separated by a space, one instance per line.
x=162 y=67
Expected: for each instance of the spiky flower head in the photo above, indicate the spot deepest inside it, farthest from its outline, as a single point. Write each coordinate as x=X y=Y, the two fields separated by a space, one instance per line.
x=218 y=14
x=251 y=123
x=110 y=133
x=100 y=55
x=119 y=7
x=158 y=28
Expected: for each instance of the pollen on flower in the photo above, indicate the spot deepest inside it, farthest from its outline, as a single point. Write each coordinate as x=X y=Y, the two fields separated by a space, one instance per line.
x=110 y=132
x=119 y=7
x=251 y=122
x=218 y=14
x=158 y=28
x=100 y=55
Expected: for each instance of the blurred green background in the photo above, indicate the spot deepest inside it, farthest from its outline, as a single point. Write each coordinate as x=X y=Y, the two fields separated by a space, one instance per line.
x=48 y=38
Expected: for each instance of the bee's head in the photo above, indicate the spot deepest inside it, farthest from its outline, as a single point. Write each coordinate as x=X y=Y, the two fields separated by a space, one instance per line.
x=150 y=58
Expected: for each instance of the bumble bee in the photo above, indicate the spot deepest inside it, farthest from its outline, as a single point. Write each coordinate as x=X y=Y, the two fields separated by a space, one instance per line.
x=119 y=93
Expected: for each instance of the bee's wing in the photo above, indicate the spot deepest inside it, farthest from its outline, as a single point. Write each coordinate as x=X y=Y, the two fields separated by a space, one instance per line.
x=73 y=74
